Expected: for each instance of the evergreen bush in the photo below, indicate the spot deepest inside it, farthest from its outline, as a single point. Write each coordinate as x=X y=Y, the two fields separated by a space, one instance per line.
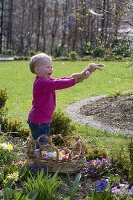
x=61 y=124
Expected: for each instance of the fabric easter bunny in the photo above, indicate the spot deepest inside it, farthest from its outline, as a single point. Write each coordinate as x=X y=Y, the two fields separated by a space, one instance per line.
x=79 y=77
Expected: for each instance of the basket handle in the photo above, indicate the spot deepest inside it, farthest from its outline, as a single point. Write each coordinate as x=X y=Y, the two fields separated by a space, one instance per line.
x=46 y=138
x=31 y=145
x=68 y=139
x=81 y=149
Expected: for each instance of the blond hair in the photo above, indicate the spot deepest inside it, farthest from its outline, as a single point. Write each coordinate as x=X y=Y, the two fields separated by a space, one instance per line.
x=36 y=60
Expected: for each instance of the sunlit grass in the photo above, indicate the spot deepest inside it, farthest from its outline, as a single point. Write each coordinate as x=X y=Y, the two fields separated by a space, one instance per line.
x=16 y=78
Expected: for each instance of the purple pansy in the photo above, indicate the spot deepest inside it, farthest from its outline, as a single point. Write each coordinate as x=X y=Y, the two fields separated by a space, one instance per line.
x=94 y=168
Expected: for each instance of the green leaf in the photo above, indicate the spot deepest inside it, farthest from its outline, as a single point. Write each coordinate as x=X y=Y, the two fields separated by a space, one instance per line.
x=8 y=193
x=75 y=186
x=33 y=194
x=77 y=180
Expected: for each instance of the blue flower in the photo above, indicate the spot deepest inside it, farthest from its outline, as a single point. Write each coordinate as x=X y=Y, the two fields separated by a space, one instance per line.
x=101 y=185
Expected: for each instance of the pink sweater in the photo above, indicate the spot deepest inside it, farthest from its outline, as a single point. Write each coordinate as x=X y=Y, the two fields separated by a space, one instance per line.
x=44 y=98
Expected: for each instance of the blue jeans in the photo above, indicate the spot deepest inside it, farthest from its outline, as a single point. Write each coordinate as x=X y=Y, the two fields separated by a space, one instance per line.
x=38 y=130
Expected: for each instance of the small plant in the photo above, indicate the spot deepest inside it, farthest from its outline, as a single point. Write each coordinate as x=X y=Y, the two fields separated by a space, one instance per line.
x=95 y=153
x=6 y=155
x=3 y=98
x=18 y=194
x=95 y=168
x=73 y=187
x=61 y=124
x=73 y=55
x=100 y=196
x=37 y=187
x=14 y=125
x=10 y=179
x=1 y=177
x=46 y=185
x=14 y=128
x=121 y=163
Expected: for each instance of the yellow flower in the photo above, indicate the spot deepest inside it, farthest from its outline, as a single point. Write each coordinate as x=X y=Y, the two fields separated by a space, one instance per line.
x=6 y=146
x=14 y=176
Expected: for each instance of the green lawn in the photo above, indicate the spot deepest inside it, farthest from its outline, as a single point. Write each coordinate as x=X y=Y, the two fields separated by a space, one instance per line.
x=16 y=78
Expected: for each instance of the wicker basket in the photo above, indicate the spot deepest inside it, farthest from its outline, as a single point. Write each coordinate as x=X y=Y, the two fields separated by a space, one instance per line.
x=74 y=145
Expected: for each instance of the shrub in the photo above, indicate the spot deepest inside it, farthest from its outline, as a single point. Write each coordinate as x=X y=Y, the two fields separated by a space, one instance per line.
x=121 y=163
x=121 y=47
x=3 y=98
x=14 y=128
x=73 y=55
x=95 y=153
x=61 y=124
x=11 y=126
x=98 y=52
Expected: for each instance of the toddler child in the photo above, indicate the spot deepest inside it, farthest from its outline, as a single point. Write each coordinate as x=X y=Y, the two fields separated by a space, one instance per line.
x=44 y=87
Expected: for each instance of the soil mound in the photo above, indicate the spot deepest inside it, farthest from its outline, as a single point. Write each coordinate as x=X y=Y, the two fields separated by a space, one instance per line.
x=112 y=114
x=116 y=111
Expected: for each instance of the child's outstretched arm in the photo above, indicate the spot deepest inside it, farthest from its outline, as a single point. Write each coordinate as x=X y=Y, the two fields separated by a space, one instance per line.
x=79 y=77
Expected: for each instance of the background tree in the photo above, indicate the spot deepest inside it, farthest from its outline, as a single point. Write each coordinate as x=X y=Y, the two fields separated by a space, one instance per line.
x=60 y=26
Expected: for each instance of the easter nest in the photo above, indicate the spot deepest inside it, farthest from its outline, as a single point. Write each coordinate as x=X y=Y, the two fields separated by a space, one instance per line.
x=63 y=154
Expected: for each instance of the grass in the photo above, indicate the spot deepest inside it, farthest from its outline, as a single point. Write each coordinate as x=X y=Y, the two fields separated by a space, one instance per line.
x=16 y=78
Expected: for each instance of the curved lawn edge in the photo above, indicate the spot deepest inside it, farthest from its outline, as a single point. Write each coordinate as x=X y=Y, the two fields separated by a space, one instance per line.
x=73 y=110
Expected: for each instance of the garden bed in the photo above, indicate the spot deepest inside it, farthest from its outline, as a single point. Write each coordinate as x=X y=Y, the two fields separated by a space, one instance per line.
x=116 y=111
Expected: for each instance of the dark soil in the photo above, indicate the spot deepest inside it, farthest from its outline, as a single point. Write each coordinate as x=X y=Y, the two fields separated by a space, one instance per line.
x=116 y=111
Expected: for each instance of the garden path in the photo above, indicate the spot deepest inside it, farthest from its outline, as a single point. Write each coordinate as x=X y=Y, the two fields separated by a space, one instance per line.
x=113 y=114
